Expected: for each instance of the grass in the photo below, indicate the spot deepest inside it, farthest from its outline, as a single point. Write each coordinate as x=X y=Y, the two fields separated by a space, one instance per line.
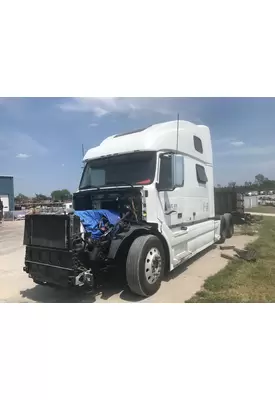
x=247 y=230
x=242 y=281
x=261 y=209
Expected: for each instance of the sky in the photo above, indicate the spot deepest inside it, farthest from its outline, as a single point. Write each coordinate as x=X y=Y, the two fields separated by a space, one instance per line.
x=41 y=138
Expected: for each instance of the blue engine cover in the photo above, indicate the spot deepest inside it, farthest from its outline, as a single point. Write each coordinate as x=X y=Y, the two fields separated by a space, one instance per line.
x=91 y=219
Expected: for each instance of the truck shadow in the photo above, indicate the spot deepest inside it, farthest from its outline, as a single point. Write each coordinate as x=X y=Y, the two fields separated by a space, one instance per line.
x=114 y=284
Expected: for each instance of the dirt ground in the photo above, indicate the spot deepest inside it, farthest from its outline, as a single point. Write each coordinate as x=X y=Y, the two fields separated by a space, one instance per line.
x=184 y=282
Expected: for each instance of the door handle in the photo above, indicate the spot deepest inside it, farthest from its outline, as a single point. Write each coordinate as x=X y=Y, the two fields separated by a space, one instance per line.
x=170 y=212
x=184 y=228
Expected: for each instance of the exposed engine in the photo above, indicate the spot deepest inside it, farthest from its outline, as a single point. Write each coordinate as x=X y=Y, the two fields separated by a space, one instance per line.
x=120 y=200
x=105 y=215
x=73 y=248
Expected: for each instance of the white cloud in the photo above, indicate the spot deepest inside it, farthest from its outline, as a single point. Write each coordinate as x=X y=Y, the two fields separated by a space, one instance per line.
x=237 y=143
x=101 y=106
x=22 y=155
x=222 y=140
x=93 y=124
x=100 y=112
x=20 y=143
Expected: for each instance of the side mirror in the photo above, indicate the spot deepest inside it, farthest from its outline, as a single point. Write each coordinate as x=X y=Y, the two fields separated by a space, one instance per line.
x=178 y=170
x=171 y=172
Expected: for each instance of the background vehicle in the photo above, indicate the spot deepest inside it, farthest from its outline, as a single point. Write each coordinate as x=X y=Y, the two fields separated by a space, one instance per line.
x=146 y=202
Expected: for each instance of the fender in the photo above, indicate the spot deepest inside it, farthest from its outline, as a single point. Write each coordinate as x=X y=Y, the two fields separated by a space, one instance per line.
x=129 y=236
x=124 y=240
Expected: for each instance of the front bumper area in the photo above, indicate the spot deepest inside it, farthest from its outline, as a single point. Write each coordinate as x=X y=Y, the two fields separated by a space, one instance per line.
x=55 y=268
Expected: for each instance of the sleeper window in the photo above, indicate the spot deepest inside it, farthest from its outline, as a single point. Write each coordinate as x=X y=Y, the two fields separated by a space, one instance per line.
x=201 y=175
x=198 y=144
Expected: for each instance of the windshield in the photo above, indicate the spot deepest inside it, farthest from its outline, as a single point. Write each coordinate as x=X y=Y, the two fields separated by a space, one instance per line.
x=127 y=169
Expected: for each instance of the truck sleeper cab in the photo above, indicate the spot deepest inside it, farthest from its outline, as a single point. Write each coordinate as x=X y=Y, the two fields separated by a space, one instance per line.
x=145 y=202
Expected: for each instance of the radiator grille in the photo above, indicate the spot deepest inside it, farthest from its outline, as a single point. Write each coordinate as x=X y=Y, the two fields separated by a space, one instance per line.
x=51 y=231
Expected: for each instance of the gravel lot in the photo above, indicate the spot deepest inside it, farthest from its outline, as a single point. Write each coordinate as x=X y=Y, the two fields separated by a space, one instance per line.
x=15 y=286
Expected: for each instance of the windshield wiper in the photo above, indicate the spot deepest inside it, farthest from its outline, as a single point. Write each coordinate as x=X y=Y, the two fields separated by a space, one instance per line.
x=118 y=183
x=89 y=187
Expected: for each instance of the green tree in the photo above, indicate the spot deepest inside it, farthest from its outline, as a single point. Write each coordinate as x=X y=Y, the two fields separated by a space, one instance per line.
x=259 y=179
x=247 y=184
x=231 y=184
x=21 y=198
x=41 y=197
x=61 y=195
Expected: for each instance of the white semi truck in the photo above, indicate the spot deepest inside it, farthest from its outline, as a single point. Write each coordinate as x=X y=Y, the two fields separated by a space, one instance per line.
x=145 y=203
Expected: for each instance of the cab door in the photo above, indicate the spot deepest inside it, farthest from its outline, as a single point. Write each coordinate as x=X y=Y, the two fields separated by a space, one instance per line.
x=171 y=197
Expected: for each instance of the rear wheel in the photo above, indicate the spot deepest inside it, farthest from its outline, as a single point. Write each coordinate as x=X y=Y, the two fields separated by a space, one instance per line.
x=223 y=230
x=145 y=265
x=229 y=225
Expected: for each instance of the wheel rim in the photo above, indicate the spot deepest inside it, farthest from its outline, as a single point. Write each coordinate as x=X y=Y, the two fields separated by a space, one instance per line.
x=153 y=263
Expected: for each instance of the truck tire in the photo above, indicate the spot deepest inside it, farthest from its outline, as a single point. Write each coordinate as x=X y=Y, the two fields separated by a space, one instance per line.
x=223 y=230
x=229 y=225
x=145 y=265
x=39 y=282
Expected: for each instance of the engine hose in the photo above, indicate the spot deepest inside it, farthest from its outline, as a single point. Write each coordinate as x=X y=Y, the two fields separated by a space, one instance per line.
x=134 y=210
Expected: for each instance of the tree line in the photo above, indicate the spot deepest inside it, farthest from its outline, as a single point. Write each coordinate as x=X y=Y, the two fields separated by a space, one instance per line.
x=57 y=195
x=260 y=183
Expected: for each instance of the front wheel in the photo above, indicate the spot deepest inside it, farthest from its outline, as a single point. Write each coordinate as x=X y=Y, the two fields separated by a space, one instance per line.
x=145 y=265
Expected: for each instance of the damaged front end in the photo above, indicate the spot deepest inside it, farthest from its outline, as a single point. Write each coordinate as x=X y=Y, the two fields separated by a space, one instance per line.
x=55 y=251
x=73 y=250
